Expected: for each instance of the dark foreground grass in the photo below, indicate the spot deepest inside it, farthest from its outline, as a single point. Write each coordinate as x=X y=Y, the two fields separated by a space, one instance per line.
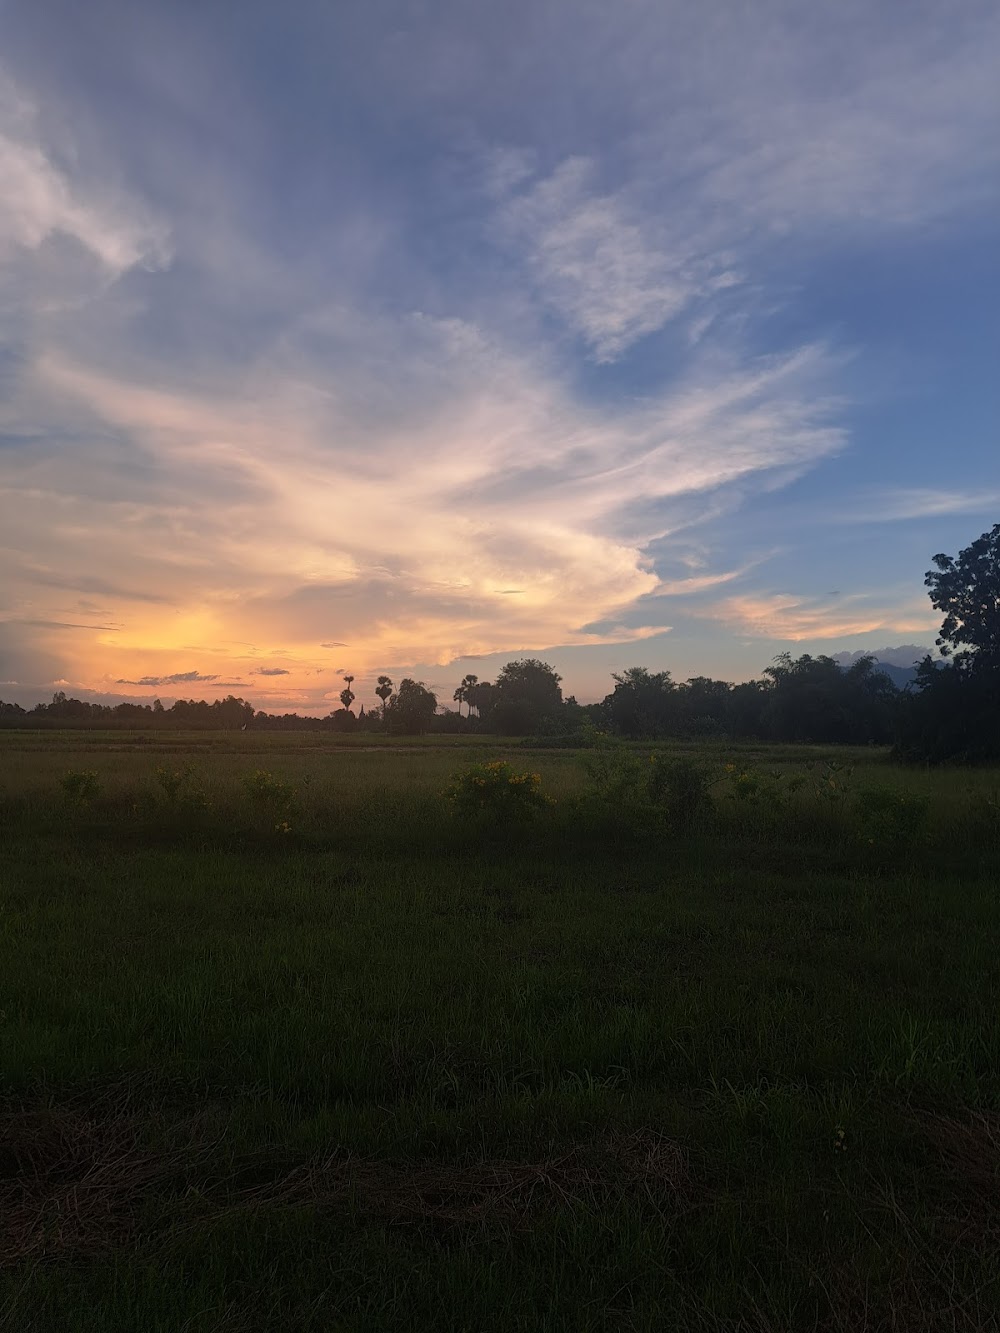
x=386 y=1072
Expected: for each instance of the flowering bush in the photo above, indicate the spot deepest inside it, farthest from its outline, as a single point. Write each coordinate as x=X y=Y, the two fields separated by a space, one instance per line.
x=497 y=789
x=754 y=787
x=272 y=796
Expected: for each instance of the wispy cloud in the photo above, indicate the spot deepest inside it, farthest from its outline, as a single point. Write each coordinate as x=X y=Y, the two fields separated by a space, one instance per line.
x=270 y=545
x=916 y=503
x=598 y=264
x=786 y=616
x=41 y=199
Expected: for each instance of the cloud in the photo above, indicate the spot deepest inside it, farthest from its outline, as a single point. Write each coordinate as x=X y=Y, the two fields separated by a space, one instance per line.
x=914 y=502
x=41 y=199
x=270 y=671
x=403 y=398
x=596 y=263
x=178 y=678
x=785 y=616
x=500 y=481
x=59 y=624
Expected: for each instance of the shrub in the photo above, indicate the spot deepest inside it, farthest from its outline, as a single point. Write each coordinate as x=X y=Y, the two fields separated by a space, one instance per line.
x=271 y=795
x=181 y=790
x=172 y=781
x=891 y=816
x=681 y=787
x=80 y=787
x=832 y=781
x=499 y=790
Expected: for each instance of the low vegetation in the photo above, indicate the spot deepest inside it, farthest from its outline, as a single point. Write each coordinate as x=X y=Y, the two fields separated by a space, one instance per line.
x=459 y=1033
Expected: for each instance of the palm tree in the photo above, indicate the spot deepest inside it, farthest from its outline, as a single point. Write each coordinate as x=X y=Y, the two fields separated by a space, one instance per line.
x=347 y=696
x=383 y=690
x=466 y=691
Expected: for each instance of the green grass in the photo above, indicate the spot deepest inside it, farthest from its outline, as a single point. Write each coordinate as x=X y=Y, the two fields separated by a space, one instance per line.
x=390 y=1070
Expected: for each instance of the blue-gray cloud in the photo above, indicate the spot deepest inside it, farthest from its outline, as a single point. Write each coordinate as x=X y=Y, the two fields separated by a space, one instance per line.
x=178 y=678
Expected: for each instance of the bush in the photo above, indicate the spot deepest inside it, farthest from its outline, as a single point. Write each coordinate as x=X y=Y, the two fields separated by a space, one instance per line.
x=272 y=796
x=80 y=787
x=181 y=790
x=891 y=816
x=681 y=788
x=497 y=789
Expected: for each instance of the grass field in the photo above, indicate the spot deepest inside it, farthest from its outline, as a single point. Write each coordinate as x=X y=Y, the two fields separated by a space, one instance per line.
x=287 y=1043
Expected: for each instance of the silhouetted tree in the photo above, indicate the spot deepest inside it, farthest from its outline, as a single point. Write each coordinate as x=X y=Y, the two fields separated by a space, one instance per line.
x=347 y=695
x=534 y=682
x=953 y=713
x=480 y=697
x=383 y=690
x=967 y=589
x=642 y=704
x=412 y=708
x=814 y=699
x=464 y=693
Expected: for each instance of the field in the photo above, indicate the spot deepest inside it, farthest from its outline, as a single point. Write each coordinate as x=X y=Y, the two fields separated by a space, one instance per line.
x=291 y=1040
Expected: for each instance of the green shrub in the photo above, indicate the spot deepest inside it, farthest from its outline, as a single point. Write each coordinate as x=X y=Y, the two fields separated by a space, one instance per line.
x=498 y=790
x=80 y=787
x=681 y=787
x=832 y=782
x=173 y=781
x=888 y=815
x=181 y=789
x=271 y=796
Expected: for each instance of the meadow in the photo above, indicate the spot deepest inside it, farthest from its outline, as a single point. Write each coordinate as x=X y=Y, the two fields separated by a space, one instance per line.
x=311 y=1033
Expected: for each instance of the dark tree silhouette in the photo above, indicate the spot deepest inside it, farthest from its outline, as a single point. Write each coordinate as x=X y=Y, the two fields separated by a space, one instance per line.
x=411 y=709
x=347 y=695
x=383 y=690
x=967 y=589
x=530 y=681
x=643 y=703
x=464 y=693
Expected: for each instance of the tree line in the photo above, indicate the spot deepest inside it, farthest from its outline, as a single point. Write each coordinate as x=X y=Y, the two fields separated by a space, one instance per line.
x=951 y=712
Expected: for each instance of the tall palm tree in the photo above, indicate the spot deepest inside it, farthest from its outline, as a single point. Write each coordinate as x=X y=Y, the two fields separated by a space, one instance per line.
x=383 y=690
x=468 y=691
x=347 y=696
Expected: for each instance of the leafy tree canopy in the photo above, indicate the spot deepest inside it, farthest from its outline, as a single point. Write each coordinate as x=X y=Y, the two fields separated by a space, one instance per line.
x=411 y=709
x=531 y=682
x=966 y=588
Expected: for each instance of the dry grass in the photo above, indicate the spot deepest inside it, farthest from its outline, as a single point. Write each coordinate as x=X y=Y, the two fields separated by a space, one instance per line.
x=953 y=1221
x=73 y=1181
x=77 y=1181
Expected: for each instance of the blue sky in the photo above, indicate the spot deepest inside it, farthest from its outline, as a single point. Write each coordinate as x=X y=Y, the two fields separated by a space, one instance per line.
x=411 y=337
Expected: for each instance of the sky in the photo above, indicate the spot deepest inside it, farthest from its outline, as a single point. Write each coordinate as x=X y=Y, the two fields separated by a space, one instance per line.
x=413 y=336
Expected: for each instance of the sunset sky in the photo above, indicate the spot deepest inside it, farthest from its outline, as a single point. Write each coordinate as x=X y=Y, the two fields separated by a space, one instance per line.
x=413 y=337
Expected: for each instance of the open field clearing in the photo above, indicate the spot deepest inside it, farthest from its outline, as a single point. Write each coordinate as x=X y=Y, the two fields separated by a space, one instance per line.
x=289 y=1038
